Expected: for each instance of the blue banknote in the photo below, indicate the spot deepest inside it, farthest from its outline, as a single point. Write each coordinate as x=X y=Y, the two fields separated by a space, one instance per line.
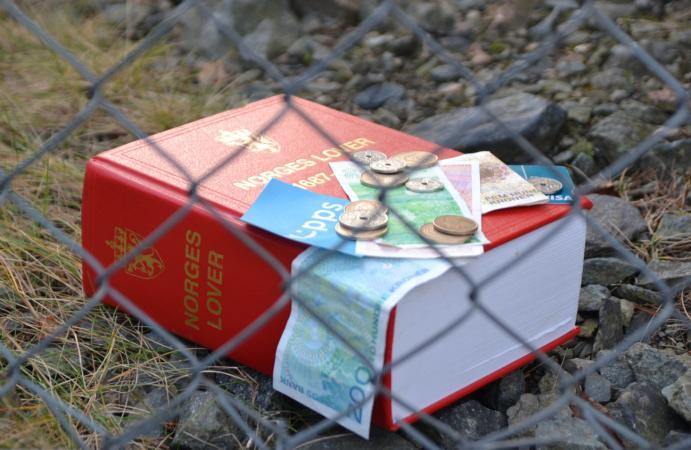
x=354 y=297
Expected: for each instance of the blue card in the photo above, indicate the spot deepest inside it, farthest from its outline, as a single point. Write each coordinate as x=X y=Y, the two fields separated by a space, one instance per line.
x=563 y=197
x=299 y=215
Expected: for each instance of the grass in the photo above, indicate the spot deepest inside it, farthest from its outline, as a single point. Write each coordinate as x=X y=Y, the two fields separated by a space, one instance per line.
x=105 y=365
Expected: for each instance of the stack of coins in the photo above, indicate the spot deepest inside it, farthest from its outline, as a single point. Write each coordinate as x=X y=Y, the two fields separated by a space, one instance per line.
x=449 y=230
x=390 y=172
x=364 y=220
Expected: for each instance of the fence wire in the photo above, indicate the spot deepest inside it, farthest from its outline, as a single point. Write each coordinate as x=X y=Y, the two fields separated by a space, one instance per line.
x=263 y=432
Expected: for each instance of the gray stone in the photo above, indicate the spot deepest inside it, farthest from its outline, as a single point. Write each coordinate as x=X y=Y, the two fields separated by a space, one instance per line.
x=503 y=393
x=530 y=404
x=642 y=112
x=616 y=134
x=605 y=109
x=578 y=112
x=664 y=52
x=627 y=310
x=619 y=217
x=585 y=164
x=204 y=424
x=611 y=329
x=638 y=294
x=569 y=68
x=623 y=57
x=345 y=10
x=642 y=409
x=378 y=94
x=678 y=395
x=592 y=297
x=654 y=366
x=678 y=437
x=611 y=79
x=598 y=388
x=577 y=364
x=673 y=228
x=379 y=440
x=618 y=372
x=471 y=419
x=445 y=72
x=588 y=328
x=470 y=129
x=571 y=433
x=436 y=17
x=606 y=270
x=674 y=273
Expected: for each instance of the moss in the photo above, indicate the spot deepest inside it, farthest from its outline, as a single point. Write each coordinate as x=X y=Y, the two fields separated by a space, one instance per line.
x=497 y=47
x=582 y=146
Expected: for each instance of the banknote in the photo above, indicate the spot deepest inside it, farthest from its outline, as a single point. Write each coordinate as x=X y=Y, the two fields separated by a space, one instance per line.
x=465 y=178
x=501 y=187
x=313 y=365
x=416 y=208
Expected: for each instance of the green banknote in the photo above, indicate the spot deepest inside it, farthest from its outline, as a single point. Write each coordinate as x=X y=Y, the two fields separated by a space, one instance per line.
x=416 y=208
x=354 y=296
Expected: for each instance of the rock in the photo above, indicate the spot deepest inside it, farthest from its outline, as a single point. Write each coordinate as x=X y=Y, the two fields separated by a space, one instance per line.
x=445 y=72
x=585 y=163
x=619 y=217
x=598 y=388
x=611 y=329
x=345 y=10
x=618 y=372
x=678 y=395
x=577 y=364
x=673 y=273
x=606 y=270
x=591 y=297
x=268 y=27
x=627 y=310
x=654 y=366
x=578 y=113
x=642 y=409
x=588 y=328
x=676 y=437
x=616 y=134
x=436 y=17
x=623 y=57
x=379 y=439
x=503 y=393
x=471 y=419
x=614 y=9
x=530 y=404
x=377 y=94
x=611 y=79
x=571 y=433
x=637 y=294
x=642 y=112
x=673 y=228
x=204 y=424
x=470 y=129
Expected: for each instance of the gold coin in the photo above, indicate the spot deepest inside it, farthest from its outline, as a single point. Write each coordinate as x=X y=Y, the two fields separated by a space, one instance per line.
x=382 y=181
x=360 y=235
x=417 y=159
x=387 y=166
x=436 y=236
x=455 y=225
x=363 y=220
x=546 y=185
x=366 y=205
x=368 y=156
x=424 y=184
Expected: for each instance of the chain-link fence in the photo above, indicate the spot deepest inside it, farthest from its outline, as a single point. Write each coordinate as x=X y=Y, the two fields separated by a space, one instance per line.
x=256 y=429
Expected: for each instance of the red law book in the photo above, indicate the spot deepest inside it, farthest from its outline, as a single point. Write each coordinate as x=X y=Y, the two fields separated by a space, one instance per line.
x=204 y=284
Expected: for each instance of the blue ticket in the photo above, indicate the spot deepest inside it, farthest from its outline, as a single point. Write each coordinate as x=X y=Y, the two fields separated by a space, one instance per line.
x=565 y=195
x=299 y=215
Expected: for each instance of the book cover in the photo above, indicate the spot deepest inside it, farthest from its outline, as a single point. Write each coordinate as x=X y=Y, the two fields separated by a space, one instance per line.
x=201 y=280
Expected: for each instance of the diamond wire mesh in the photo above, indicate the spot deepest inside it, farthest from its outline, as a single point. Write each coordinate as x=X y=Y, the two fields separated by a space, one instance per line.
x=78 y=424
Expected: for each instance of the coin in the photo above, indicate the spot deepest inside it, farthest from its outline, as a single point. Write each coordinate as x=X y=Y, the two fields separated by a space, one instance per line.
x=381 y=181
x=436 y=236
x=387 y=166
x=417 y=159
x=424 y=184
x=366 y=205
x=360 y=235
x=368 y=156
x=363 y=220
x=455 y=225
x=546 y=185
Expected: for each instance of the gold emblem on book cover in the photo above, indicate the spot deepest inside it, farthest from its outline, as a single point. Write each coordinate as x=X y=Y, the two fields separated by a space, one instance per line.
x=146 y=265
x=253 y=142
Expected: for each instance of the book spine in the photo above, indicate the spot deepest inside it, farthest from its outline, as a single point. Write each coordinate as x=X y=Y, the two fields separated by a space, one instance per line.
x=198 y=280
